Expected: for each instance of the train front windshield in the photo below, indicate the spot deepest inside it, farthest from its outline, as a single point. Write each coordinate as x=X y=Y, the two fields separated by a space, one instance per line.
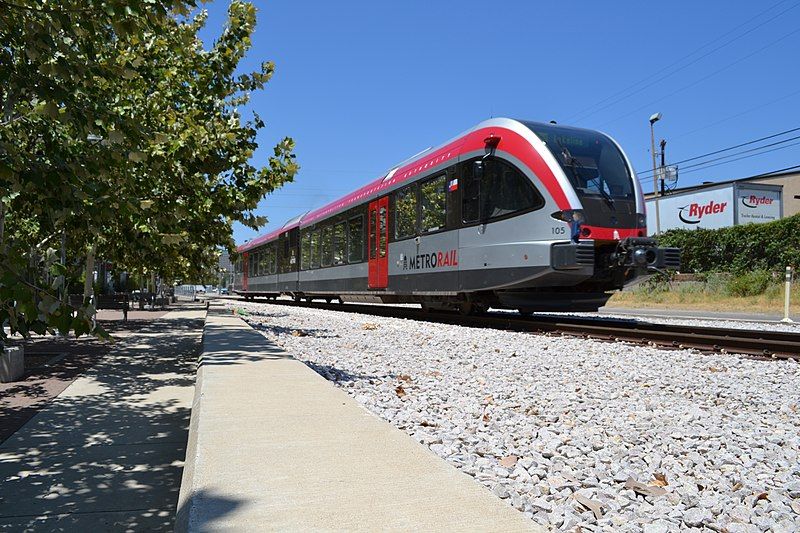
x=592 y=162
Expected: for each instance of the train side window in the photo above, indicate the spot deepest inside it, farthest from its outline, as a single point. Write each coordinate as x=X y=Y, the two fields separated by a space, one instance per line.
x=471 y=199
x=262 y=263
x=286 y=255
x=494 y=188
x=355 y=239
x=382 y=229
x=305 y=250
x=327 y=246
x=294 y=250
x=405 y=209
x=271 y=259
x=373 y=217
x=512 y=190
x=259 y=263
x=315 y=249
x=433 y=203
x=339 y=244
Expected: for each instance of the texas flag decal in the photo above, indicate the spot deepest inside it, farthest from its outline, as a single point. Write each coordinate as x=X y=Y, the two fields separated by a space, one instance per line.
x=453 y=185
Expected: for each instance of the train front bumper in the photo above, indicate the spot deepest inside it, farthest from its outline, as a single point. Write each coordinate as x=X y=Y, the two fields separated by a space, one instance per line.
x=644 y=254
x=638 y=253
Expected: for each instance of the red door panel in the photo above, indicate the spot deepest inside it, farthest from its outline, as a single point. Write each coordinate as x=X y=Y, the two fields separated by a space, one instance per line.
x=379 y=243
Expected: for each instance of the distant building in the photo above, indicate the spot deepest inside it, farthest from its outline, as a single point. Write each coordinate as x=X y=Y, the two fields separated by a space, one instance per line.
x=225 y=278
x=757 y=199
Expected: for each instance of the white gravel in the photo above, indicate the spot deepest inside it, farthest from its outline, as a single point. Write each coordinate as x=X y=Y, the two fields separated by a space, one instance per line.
x=557 y=425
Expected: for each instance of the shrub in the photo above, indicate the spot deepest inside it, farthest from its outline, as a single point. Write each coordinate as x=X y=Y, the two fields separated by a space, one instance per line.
x=738 y=249
x=749 y=283
x=656 y=283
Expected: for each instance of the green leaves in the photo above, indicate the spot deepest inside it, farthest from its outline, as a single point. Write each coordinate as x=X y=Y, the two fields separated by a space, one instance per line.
x=125 y=133
x=738 y=249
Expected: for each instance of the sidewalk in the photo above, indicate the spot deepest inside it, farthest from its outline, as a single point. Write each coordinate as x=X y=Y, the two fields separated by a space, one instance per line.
x=107 y=453
x=273 y=446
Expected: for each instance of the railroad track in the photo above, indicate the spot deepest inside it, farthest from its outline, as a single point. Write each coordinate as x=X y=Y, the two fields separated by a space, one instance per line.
x=763 y=344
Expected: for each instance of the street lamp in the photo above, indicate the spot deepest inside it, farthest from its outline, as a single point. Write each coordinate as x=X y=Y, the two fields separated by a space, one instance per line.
x=655 y=117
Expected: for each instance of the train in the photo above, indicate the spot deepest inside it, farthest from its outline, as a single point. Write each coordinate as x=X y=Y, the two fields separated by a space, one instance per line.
x=510 y=214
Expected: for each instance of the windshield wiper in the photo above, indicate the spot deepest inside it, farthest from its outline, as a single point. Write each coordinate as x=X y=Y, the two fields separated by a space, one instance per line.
x=606 y=196
x=573 y=163
x=569 y=160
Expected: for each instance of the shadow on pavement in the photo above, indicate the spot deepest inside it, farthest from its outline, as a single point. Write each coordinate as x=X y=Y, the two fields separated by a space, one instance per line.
x=234 y=346
x=108 y=453
x=213 y=506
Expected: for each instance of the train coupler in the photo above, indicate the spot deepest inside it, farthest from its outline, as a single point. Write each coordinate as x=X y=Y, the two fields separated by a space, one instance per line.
x=645 y=255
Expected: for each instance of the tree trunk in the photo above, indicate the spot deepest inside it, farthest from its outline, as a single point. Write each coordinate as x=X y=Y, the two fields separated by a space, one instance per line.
x=87 y=284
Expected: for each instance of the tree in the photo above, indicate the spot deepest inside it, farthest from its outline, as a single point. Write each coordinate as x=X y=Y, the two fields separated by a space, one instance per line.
x=121 y=138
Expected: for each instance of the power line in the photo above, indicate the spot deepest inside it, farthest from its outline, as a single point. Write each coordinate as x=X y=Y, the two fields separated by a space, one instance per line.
x=736 y=115
x=705 y=165
x=747 y=151
x=764 y=174
x=582 y=114
x=771 y=172
x=650 y=171
x=704 y=78
x=738 y=158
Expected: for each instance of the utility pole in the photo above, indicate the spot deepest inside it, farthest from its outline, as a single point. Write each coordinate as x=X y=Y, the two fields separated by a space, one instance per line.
x=655 y=117
x=663 y=178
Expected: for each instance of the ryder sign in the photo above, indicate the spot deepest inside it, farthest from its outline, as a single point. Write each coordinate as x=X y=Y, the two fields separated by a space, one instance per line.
x=704 y=209
x=716 y=206
x=758 y=205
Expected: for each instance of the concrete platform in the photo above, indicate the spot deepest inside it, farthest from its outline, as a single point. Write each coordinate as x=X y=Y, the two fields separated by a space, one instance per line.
x=274 y=446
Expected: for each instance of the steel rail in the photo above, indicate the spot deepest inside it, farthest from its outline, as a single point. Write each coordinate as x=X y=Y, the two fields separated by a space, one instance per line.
x=763 y=344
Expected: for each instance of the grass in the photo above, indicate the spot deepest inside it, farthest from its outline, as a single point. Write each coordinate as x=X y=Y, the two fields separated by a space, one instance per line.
x=711 y=295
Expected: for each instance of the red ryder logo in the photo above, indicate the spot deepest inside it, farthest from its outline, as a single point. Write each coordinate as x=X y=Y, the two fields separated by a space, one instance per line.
x=754 y=201
x=693 y=213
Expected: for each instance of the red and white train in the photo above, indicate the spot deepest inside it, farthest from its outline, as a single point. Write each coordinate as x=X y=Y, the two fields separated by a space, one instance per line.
x=510 y=214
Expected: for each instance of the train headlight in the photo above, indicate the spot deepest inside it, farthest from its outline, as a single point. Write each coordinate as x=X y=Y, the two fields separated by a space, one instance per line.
x=641 y=220
x=644 y=256
x=640 y=257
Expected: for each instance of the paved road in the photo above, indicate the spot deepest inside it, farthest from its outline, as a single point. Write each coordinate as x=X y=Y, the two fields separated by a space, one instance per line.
x=107 y=453
x=692 y=314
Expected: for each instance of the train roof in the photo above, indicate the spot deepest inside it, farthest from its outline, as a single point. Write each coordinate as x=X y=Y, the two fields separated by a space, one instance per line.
x=399 y=173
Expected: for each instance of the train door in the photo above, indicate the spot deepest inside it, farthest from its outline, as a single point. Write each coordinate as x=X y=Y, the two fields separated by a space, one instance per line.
x=379 y=243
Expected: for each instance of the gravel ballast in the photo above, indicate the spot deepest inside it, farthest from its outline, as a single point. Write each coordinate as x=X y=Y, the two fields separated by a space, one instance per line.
x=575 y=433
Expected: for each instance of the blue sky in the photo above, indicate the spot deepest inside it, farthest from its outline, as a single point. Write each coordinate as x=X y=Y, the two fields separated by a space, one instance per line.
x=363 y=85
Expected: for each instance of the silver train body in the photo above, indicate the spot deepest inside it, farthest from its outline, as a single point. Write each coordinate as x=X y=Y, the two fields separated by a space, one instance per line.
x=512 y=214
